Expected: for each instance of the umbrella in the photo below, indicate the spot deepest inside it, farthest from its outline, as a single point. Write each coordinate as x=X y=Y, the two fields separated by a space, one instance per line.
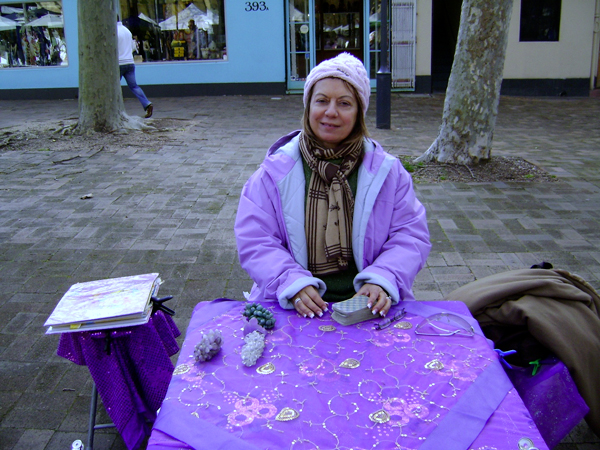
x=297 y=16
x=49 y=20
x=180 y=21
x=10 y=10
x=7 y=24
x=54 y=7
x=145 y=18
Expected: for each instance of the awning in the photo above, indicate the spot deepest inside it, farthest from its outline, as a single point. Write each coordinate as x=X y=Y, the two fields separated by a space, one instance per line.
x=7 y=24
x=49 y=20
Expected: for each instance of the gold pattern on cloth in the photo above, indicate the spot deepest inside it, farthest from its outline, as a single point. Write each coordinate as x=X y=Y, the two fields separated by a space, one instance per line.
x=181 y=369
x=287 y=414
x=350 y=363
x=266 y=369
x=315 y=378
x=526 y=444
x=403 y=325
x=435 y=364
x=380 y=416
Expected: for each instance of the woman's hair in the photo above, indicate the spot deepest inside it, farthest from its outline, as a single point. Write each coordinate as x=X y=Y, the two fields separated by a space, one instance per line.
x=359 y=131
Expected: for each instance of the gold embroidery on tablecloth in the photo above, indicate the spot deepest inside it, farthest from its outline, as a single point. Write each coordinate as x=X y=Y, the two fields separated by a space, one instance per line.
x=380 y=416
x=287 y=414
x=181 y=369
x=435 y=364
x=266 y=369
x=350 y=363
x=408 y=411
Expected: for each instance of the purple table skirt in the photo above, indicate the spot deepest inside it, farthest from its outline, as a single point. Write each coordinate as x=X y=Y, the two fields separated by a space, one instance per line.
x=552 y=399
x=323 y=385
x=132 y=380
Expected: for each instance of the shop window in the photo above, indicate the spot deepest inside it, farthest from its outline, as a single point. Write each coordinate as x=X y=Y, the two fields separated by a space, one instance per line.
x=540 y=20
x=175 y=30
x=32 y=34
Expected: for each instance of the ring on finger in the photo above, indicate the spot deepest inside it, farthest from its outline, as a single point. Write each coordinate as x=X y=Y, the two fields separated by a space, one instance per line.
x=298 y=300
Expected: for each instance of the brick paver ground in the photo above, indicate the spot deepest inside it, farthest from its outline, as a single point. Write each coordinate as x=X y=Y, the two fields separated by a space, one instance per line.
x=171 y=210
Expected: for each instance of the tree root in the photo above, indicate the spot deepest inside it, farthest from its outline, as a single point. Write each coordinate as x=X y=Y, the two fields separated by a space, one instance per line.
x=135 y=123
x=122 y=125
x=66 y=130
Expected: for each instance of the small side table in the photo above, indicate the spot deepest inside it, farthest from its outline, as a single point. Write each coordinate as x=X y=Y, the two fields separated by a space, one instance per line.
x=131 y=369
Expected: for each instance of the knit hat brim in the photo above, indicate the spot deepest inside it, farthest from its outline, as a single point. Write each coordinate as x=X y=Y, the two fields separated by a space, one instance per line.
x=345 y=67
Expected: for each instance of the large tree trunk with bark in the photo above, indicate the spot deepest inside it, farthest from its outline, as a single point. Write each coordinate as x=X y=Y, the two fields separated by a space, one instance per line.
x=100 y=98
x=473 y=92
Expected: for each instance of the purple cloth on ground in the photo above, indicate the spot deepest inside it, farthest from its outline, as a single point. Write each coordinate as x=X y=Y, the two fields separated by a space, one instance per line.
x=321 y=384
x=552 y=399
x=132 y=380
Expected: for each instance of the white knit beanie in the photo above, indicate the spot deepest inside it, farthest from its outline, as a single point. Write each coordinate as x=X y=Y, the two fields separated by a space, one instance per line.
x=345 y=67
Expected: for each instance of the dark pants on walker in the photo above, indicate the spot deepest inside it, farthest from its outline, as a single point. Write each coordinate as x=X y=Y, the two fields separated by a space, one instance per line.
x=128 y=71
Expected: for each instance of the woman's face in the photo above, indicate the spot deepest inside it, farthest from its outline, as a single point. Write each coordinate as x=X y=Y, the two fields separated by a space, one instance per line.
x=333 y=111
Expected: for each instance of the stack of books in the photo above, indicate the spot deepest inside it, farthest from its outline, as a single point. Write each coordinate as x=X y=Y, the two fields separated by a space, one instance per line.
x=105 y=304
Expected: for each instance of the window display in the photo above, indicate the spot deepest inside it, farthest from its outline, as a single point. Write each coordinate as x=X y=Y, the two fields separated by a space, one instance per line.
x=32 y=34
x=339 y=28
x=175 y=30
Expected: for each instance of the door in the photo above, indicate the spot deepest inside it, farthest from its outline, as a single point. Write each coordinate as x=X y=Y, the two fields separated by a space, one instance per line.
x=403 y=25
x=446 y=22
x=321 y=29
x=318 y=30
x=338 y=28
x=300 y=35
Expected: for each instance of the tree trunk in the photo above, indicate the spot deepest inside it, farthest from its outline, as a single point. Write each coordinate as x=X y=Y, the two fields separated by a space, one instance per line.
x=100 y=98
x=473 y=92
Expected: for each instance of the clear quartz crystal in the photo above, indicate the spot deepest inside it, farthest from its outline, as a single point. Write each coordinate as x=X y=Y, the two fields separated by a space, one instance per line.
x=253 y=349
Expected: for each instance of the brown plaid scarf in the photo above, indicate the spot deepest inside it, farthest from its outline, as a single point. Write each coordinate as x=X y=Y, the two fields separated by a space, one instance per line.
x=330 y=205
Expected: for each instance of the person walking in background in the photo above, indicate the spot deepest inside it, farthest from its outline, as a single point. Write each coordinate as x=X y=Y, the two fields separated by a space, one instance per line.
x=127 y=67
x=192 y=40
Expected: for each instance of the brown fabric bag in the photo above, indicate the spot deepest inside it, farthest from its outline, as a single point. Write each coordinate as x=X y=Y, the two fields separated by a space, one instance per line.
x=560 y=310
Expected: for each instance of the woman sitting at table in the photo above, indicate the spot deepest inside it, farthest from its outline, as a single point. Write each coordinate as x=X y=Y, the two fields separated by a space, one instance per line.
x=329 y=214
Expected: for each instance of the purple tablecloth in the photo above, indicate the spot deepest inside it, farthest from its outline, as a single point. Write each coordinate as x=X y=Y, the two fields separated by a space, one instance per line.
x=323 y=385
x=132 y=379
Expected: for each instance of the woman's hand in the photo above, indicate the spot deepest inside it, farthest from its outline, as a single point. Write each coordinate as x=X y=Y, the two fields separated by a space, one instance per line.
x=309 y=303
x=379 y=300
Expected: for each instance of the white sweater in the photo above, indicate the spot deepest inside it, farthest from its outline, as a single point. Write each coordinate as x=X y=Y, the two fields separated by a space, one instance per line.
x=125 y=44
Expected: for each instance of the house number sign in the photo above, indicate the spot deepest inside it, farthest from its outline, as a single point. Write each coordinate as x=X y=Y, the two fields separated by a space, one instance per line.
x=256 y=6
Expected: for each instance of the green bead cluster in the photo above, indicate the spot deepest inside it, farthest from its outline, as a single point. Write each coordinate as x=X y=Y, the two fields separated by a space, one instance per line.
x=263 y=316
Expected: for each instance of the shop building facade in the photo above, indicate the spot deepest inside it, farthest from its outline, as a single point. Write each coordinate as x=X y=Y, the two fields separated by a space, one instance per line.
x=229 y=47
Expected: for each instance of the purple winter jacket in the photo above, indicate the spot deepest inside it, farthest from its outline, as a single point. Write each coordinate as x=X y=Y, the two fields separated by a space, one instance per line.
x=390 y=239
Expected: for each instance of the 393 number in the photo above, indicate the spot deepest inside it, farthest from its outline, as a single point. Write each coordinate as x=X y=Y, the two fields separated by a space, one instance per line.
x=256 y=6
